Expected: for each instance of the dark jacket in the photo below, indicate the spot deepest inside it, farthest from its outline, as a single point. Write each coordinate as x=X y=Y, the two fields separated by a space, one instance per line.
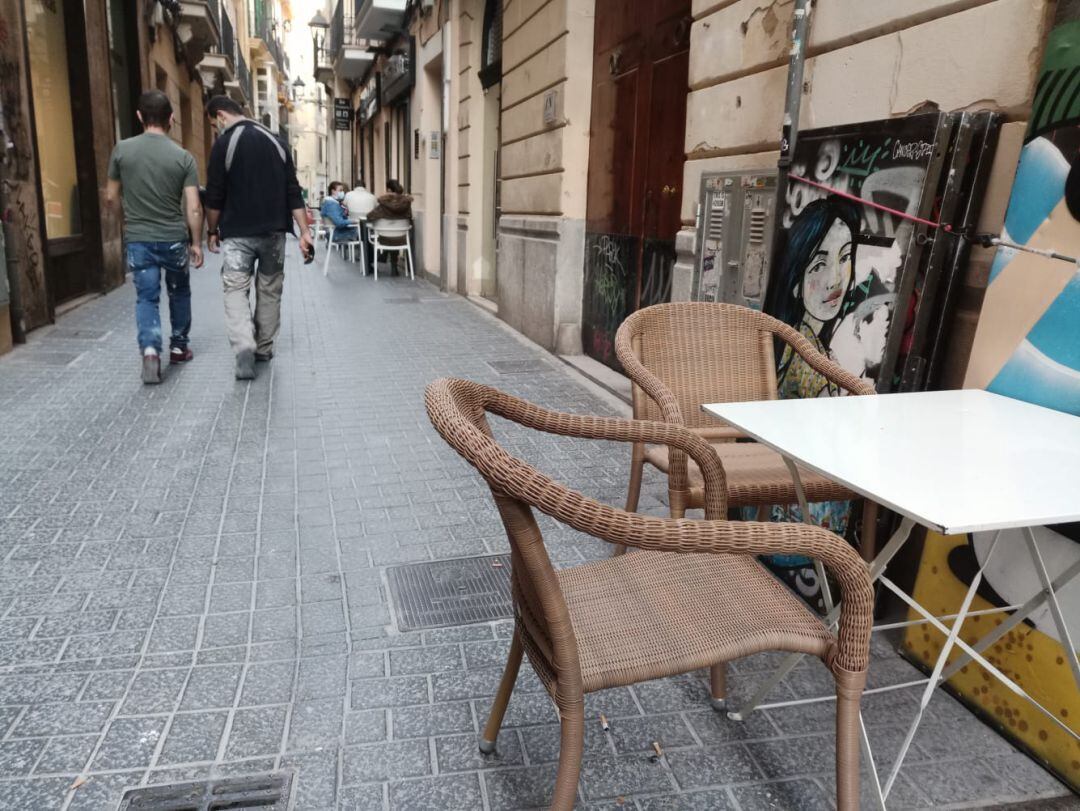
x=392 y=207
x=252 y=182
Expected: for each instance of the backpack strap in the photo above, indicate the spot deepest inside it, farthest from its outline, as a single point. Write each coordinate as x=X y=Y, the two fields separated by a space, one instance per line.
x=230 y=152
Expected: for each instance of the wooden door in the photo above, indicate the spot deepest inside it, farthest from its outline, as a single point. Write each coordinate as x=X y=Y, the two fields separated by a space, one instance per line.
x=636 y=154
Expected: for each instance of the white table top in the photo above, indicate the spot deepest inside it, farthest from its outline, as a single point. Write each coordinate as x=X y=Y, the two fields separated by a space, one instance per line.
x=955 y=461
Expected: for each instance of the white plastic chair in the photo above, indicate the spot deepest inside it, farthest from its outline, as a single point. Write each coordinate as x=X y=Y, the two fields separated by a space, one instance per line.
x=351 y=244
x=379 y=230
x=321 y=226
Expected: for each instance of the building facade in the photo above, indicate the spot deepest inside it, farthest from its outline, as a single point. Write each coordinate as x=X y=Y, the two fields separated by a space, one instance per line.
x=555 y=148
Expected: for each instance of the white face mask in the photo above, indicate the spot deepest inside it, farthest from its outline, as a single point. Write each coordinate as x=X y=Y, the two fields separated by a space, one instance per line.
x=339 y=195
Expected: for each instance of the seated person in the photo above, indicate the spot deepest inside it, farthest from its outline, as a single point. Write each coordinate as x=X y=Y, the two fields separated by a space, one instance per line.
x=394 y=205
x=334 y=212
x=360 y=201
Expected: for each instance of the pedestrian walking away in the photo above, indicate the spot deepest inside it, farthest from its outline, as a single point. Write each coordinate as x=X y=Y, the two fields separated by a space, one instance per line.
x=252 y=200
x=156 y=182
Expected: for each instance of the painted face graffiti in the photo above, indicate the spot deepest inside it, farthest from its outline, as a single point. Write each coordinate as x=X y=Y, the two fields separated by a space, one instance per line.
x=828 y=275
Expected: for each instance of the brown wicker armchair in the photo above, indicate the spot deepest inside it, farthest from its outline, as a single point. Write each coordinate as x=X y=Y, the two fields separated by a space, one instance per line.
x=618 y=621
x=685 y=354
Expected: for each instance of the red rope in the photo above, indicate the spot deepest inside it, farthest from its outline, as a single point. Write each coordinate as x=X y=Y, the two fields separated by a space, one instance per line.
x=865 y=202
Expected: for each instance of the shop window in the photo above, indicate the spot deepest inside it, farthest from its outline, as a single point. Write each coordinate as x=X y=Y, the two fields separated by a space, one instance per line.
x=50 y=86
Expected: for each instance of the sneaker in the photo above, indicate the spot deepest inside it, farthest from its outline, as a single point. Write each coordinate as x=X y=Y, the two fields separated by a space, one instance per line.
x=263 y=357
x=180 y=355
x=151 y=368
x=245 y=365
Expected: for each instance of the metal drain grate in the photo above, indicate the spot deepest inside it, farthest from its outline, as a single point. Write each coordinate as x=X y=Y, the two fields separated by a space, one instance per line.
x=451 y=592
x=268 y=791
x=519 y=367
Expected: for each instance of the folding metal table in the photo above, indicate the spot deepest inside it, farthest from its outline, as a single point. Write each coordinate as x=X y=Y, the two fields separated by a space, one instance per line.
x=954 y=462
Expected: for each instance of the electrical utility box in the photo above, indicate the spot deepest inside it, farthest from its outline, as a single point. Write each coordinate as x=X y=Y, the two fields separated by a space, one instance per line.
x=736 y=219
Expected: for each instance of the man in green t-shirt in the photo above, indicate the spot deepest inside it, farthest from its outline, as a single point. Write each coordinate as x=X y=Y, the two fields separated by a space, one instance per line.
x=159 y=185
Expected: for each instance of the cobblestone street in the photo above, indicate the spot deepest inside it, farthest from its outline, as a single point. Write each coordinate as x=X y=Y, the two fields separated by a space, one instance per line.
x=194 y=584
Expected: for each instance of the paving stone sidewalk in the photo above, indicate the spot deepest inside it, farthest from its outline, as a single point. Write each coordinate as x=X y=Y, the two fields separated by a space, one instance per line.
x=193 y=584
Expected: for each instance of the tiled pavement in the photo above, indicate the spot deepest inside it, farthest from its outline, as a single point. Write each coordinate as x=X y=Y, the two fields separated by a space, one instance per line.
x=192 y=584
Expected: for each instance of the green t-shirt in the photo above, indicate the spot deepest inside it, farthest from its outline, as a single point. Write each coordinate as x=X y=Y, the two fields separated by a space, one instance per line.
x=153 y=172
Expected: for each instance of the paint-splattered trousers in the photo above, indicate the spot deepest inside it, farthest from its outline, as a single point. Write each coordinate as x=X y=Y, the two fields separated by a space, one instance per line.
x=261 y=258
x=146 y=261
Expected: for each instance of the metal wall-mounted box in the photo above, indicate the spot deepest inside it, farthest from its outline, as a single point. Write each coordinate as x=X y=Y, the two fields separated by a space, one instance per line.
x=736 y=219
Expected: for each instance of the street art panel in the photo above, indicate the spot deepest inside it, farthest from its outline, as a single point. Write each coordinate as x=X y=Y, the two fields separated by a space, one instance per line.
x=842 y=272
x=1027 y=346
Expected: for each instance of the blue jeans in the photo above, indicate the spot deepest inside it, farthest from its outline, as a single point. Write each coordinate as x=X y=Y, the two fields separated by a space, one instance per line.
x=146 y=261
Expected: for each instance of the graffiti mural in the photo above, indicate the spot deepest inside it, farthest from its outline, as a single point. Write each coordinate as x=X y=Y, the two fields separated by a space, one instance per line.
x=1027 y=346
x=841 y=272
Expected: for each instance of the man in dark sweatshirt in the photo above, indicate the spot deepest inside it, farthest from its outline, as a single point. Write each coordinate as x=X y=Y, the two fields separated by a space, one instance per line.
x=252 y=200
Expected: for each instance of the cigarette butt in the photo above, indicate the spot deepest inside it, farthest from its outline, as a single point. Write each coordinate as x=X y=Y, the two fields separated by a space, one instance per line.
x=659 y=752
x=496 y=564
x=604 y=723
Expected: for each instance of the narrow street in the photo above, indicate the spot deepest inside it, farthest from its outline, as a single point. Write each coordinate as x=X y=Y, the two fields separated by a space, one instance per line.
x=194 y=584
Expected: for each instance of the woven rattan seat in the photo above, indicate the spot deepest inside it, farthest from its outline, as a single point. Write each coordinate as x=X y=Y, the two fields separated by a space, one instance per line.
x=694 y=597
x=685 y=354
x=650 y=614
x=757 y=476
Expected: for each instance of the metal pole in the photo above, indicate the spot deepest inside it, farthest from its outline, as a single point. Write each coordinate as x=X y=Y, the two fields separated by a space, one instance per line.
x=790 y=131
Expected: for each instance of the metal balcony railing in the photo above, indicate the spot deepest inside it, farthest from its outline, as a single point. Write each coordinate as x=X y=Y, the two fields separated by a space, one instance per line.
x=243 y=76
x=342 y=30
x=228 y=38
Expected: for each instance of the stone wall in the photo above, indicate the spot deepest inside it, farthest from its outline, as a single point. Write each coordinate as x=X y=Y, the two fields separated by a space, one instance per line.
x=547 y=59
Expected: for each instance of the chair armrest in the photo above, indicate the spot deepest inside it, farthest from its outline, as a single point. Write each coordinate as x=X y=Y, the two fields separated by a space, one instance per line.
x=833 y=371
x=640 y=376
x=682 y=440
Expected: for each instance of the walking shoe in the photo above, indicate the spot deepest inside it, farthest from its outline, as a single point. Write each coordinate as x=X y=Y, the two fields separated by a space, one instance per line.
x=245 y=365
x=180 y=355
x=151 y=367
x=263 y=357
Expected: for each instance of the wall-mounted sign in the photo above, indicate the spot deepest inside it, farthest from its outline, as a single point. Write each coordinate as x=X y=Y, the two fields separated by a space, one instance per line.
x=435 y=145
x=549 y=106
x=342 y=114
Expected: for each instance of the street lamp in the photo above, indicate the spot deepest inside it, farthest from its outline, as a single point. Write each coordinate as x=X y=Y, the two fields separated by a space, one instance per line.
x=319 y=26
x=297 y=86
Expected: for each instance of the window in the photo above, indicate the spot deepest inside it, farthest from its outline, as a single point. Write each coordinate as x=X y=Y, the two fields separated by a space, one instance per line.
x=50 y=85
x=491 y=45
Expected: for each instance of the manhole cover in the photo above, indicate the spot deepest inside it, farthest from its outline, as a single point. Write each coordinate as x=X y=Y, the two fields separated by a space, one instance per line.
x=451 y=592
x=269 y=791
x=518 y=367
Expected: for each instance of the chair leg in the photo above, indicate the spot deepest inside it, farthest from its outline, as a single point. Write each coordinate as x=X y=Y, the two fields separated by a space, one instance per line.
x=849 y=687
x=633 y=493
x=677 y=500
x=718 y=686
x=502 y=697
x=869 y=530
x=571 y=748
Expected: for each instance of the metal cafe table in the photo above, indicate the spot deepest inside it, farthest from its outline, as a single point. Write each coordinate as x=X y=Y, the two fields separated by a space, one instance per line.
x=955 y=462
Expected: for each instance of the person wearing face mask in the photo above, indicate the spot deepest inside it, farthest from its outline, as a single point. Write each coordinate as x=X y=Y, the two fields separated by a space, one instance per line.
x=333 y=211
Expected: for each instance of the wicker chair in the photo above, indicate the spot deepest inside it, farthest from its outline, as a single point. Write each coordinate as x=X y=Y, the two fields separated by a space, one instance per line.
x=696 y=597
x=684 y=354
